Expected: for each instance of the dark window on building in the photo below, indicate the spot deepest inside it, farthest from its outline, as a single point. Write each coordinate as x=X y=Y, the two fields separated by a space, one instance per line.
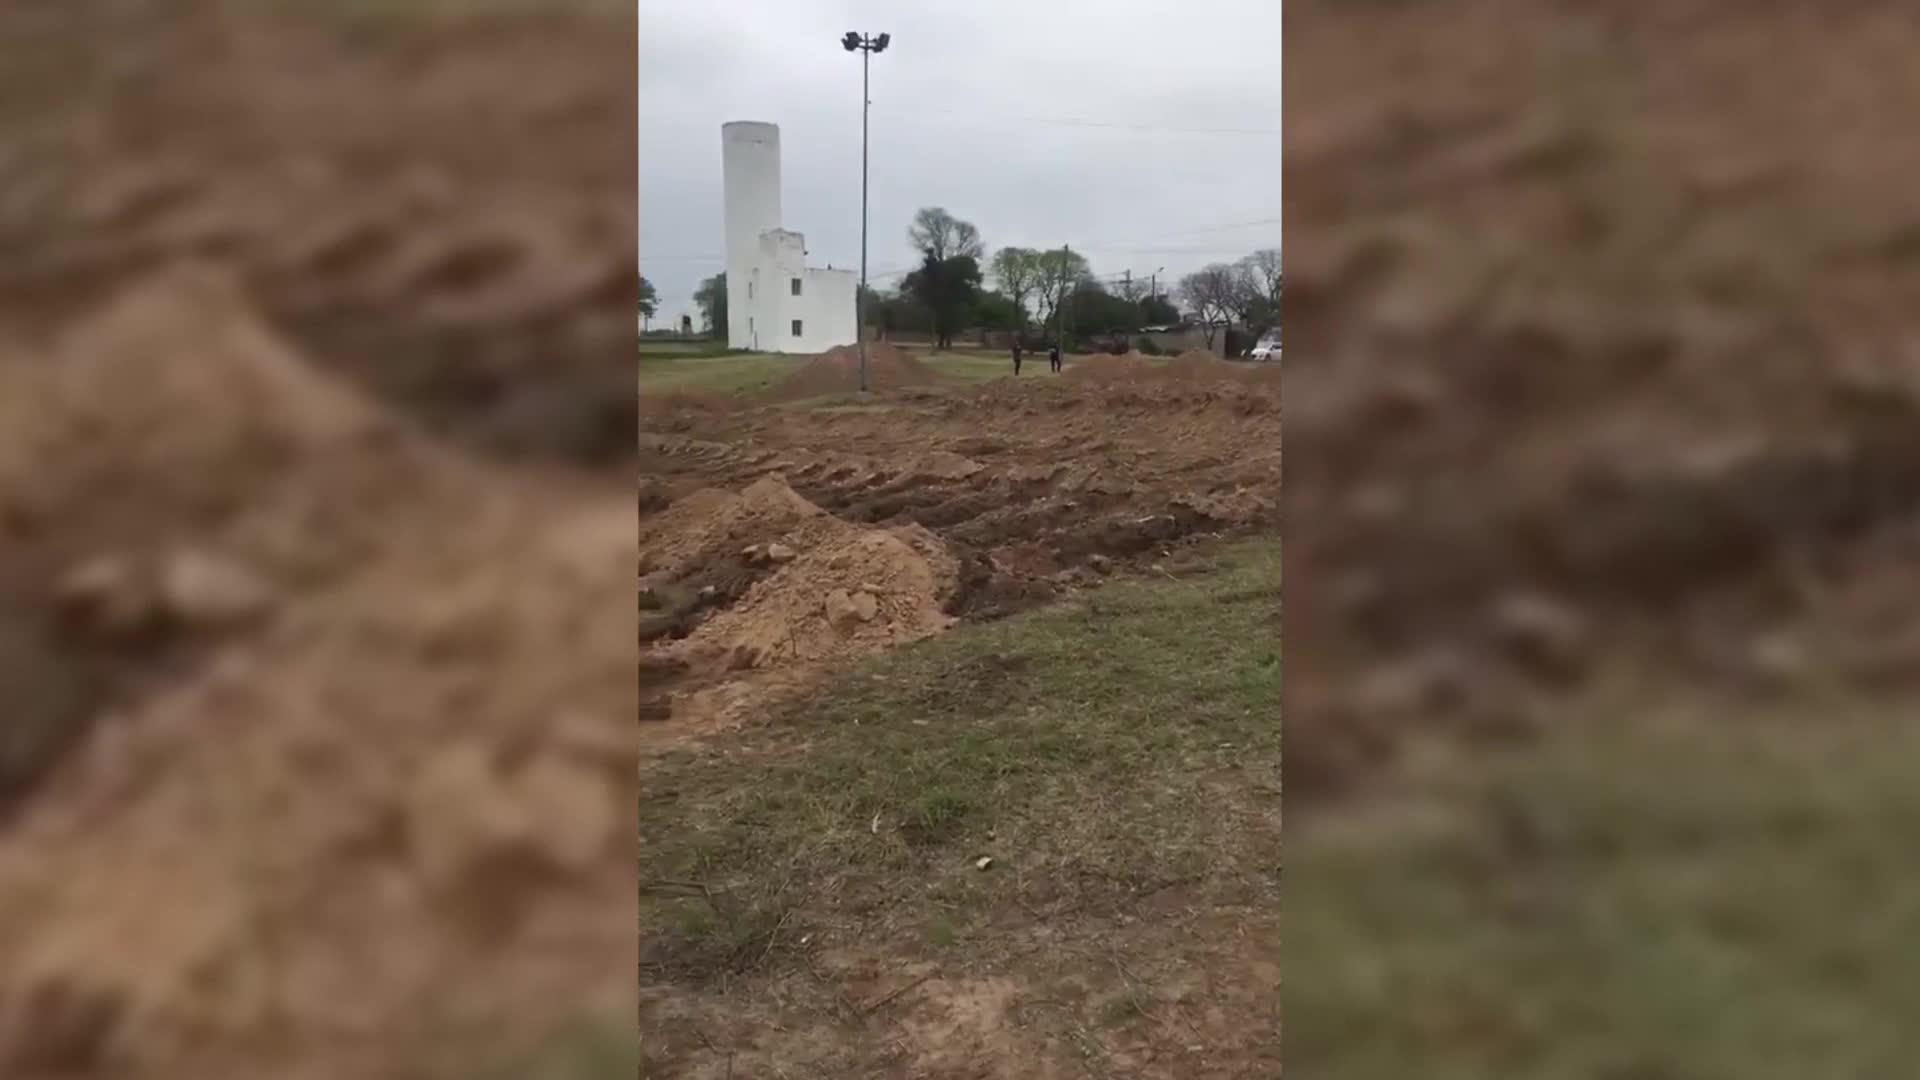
x=796 y=328
x=796 y=286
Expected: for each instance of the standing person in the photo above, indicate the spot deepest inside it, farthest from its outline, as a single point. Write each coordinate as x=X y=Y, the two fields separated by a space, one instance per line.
x=1053 y=358
x=1016 y=356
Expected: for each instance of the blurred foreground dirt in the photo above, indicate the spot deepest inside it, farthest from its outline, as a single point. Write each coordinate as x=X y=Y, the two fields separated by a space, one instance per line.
x=315 y=509
x=1603 y=350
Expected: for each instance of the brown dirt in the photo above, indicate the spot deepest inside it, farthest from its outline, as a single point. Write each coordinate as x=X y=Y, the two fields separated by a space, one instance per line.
x=837 y=371
x=485 y=293
x=318 y=726
x=1573 y=386
x=268 y=791
x=949 y=503
x=1195 y=367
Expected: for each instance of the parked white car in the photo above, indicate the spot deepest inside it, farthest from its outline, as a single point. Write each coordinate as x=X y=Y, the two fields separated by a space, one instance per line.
x=1268 y=348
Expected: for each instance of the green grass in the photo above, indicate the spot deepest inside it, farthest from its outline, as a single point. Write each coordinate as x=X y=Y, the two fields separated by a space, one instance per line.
x=1700 y=892
x=1105 y=745
x=656 y=348
x=677 y=368
x=979 y=367
x=730 y=373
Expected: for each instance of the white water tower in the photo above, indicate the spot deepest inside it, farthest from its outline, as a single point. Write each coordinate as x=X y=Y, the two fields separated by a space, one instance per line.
x=775 y=302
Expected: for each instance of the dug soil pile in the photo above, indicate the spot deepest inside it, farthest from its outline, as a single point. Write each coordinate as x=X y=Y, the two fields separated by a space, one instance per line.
x=1574 y=388
x=318 y=724
x=837 y=371
x=486 y=293
x=1195 y=367
x=352 y=757
x=759 y=581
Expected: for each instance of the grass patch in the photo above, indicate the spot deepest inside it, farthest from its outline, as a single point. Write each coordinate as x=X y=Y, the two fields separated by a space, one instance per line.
x=728 y=373
x=687 y=350
x=980 y=367
x=1701 y=893
x=1098 y=749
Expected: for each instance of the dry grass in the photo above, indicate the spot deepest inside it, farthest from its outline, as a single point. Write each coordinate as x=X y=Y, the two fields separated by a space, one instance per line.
x=1671 y=886
x=1116 y=758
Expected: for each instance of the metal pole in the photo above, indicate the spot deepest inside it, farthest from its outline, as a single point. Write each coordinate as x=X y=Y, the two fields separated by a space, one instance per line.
x=860 y=302
x=1060 y=309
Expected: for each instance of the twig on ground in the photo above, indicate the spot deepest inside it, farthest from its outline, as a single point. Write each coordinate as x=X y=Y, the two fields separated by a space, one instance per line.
x=896 y=993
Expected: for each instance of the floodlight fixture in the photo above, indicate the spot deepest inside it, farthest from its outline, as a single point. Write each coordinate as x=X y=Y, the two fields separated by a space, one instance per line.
x=866 y=46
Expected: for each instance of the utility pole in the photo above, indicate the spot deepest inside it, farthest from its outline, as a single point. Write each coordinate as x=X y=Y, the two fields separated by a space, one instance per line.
x=1060 y=309
x=866 y=46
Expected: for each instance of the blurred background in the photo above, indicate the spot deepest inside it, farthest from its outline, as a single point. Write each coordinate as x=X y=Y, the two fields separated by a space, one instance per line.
x=1603 y=468
x=316 y=450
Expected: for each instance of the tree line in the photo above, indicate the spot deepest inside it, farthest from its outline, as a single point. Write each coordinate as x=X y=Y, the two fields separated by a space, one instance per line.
x=1030 y=292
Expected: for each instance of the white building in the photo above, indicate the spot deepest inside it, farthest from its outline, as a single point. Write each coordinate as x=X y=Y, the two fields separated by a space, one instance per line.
x=775 y=301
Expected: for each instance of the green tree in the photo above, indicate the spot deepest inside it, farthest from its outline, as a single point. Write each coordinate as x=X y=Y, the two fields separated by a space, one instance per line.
x=891 y=313
x=1017 y=271
x=1095 y=311
x=948 y=280
x=1158 y=311
x=997 y=311
x=948 y=288
x=1058 y=272
x=649 y=299
x=712 y=298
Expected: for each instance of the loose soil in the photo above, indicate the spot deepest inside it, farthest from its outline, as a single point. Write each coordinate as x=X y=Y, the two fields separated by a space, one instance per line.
x=315 y=444
x=943 y=504
x=837 y=372
x=1569 y=386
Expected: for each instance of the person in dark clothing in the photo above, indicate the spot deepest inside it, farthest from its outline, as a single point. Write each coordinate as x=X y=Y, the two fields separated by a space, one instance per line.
x=1053 y=359
x=1016 y=356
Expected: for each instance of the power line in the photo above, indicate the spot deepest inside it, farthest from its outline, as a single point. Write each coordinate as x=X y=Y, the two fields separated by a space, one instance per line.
x=1162 y=251
x=1112 y=125
x=1235 y=225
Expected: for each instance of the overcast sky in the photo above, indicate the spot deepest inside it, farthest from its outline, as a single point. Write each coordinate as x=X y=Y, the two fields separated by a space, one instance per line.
x=983 y=107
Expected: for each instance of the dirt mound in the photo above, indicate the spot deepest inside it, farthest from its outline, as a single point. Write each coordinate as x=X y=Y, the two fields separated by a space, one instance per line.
x=1035 y=486
x=338 y=724
x=426 y=758
x=491 y=298
x=316 y=730
x=837 y=371
x=1107 y=368
x=1195 y=367
x=760 y=580
x=710 y=520
x=1199 y=367
x=146 y=456
x=174 y=399
x=860 y=591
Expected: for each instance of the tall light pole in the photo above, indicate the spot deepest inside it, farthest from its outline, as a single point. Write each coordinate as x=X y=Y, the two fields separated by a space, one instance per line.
x=866 y=46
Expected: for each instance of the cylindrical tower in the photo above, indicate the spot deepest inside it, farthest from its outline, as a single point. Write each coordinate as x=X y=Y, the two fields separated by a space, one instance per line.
x=750 y=165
